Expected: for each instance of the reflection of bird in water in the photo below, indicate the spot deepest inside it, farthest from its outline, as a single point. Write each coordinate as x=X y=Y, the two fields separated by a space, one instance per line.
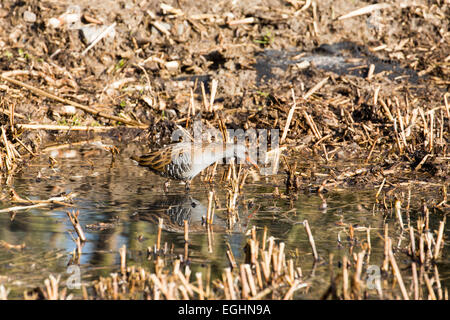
x=174 y=209
x=184 y=160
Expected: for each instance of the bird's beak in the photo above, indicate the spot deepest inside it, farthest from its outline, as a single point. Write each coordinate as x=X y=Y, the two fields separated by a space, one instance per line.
x=251 y=162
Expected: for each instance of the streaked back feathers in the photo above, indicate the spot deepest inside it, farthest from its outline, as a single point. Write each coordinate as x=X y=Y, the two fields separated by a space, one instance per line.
x=183 y=161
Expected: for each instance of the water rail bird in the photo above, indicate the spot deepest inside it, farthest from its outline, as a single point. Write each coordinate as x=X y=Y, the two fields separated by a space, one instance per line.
x=185 y=160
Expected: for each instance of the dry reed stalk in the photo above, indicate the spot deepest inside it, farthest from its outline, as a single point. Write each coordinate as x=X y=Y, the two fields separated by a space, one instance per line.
x=115 y=286
x=66 y=128
x=187 y=272
x=265 y=265
x=441 y=132
x=9 y=159
x=371 y=150
x=402 y=127
x=52 y=288
x=73 y=217
x=123 y=259
x=248 y=20
x=431 y=136
x=264 y=239
x=186 y=251
x=412 y=241
x=204 y=98
x=210 y=238
x=371 y=71
x=211 y=173
x=274 y=261
x=386 y=109
x=16 y=115
x=244 y=285
x=345 y=277
x=258 y=275
x=158 y=25
x=253 y=232
x=9 y=246
x=208 y=282
x=375 y=95
x=311 y=240
x=1 y=162
x=209 y=212
x=157 y=287
x=201 y=295
x=398 y=206
x=292 y=289
x=214 y=84
x=289 y=117
x=312 y=125
x=226 y=290
x=424 y=122
x=103 y=34
x=184 y=293
x=396 y=270
x=185 y=283
x=351 y=233
x=365 y=10
x=271 y=241
x=415 y=281
x=319 y=85
x=447 y=105
x=26 y=147
x=291 y=275
x=79 y=249
x=427 y=217
x=429 y=240
x=4 y=293
x=253 y=251
x=244 y=177
x=229 y=279
x=186 y=231
x=231 y=258
x=422 y=162
x=397 y=139
x=11 y=112
x=408 y=217
x=358 y=272
x=386 y=248
x=85 y=293
x=379 y=189
x=420 y=226
x=161 y=287
x=421 y=249
x=227 y=174
x=438 y=283
x=439 y=239
x=40 y=92
x=281 y=257
x=158 y=239
x=431 y=293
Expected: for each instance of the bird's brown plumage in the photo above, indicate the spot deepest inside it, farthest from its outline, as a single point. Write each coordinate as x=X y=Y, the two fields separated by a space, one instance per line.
x=183 y=161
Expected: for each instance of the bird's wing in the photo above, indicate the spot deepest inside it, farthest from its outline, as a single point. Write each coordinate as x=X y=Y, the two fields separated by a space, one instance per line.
x=157 y=160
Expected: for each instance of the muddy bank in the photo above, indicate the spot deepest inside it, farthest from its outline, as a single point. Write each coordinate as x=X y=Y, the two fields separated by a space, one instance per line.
x=360 y=99
x=386 y=73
